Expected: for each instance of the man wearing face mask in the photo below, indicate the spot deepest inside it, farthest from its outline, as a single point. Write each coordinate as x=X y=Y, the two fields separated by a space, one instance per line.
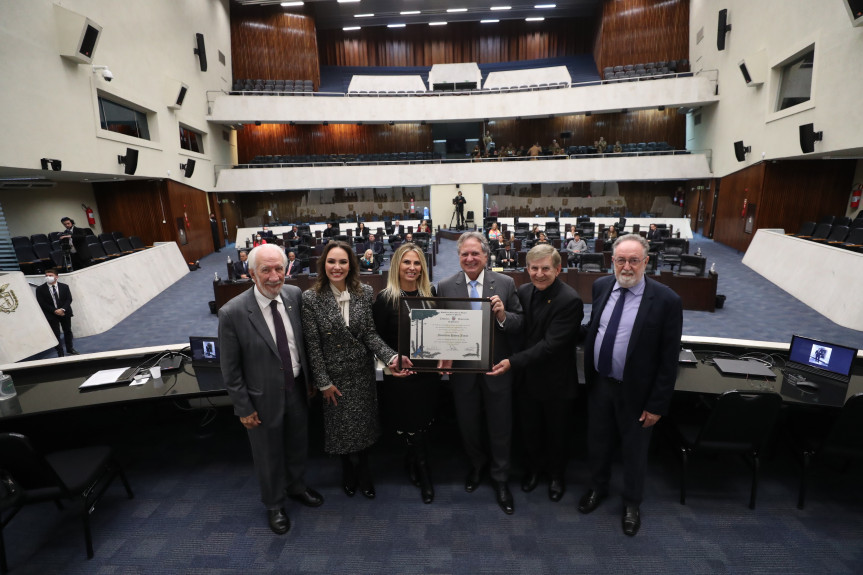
x=55 y=299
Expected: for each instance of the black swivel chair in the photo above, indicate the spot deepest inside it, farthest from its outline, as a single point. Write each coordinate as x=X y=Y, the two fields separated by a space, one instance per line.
x=739 y=422
x=82 y=474
x=840 y=438
x=591 y=262
x=692 y=265
x=673 y=249
x=806 y=230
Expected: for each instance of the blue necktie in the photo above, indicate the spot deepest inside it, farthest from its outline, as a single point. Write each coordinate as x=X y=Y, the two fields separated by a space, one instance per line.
x=473 y=293
x=282 y=344
x=607 y=348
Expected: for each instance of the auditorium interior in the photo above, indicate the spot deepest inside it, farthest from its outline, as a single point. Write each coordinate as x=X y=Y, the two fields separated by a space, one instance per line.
x=733 y=126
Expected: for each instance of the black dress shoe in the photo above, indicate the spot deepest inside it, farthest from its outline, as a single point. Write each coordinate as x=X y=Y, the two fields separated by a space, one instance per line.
x=556 y=488
x=349 y=476
x=72 y=352
x=309 y=498
x=529 y=481
x=590 y=501
x=279 y=522
x=631 y=519
x=504 y=497
x=474 y=477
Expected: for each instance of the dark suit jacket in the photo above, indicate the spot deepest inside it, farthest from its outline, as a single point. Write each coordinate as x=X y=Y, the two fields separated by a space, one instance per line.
x=653 y=235
x=296 y=268
x=238 y=269
x=330 y=232
x=546 y=367
x=509 y=254
x=46 y=302
x=79 y=240
x=650 y=370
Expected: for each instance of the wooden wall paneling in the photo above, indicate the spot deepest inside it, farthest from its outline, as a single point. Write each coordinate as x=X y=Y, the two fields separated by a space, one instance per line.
x=268 y=43
x=460 y=42
x=133 y=208
x=190 y=204
x=734 y=188
x=639 y=31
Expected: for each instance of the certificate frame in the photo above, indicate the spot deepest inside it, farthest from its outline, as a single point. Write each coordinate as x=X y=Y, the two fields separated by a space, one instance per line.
x=458 y=333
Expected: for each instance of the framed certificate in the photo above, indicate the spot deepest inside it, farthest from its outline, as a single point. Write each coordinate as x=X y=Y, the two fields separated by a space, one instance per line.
x=432 y=330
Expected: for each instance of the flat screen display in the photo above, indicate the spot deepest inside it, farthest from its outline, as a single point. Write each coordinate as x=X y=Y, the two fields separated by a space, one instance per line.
x=821 y=355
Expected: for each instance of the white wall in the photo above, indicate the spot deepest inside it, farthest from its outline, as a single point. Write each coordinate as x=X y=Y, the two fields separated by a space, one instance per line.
x=38 y=211
x=49 y=105
x=779 y=28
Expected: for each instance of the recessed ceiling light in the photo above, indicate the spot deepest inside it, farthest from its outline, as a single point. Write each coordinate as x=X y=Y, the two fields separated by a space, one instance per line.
x=350 y=28
x=535 y=19
x=456 y=9
x=501 y=7
x=348 y=1
x=289 y=4
x=363 y=15
x=437 y=23
x=409 y=12
x=542 y=6
x=489 y=21
x=395 y=25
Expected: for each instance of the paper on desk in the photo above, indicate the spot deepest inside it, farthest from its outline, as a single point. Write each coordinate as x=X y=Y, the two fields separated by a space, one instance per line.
x=103 y=377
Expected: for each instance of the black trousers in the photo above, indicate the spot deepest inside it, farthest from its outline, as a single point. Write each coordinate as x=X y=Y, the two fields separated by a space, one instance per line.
x=608 y=425
x=64 y=321
x=545 y=432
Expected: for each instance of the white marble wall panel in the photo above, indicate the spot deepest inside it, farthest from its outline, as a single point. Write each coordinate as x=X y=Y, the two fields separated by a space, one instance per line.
x=509 y=78
x=608 y=168
x=24 y=331
x=825 y=278
x=463 y=72
x=105 y=294
x=384 y=83
x=670 y=92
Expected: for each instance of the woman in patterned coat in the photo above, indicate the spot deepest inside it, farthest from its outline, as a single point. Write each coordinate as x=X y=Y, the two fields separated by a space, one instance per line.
x=341 y=343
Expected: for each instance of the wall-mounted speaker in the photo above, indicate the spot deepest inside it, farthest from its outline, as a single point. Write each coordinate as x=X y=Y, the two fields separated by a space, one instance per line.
x=722 y=27
x=77 y=35
x=855 y=11
x=129 y=161
x=188 y=168
x=740 y=150
x=754 y=68
x=808 y=137
x=565 y=135
x=175 y=92
x=201 y=51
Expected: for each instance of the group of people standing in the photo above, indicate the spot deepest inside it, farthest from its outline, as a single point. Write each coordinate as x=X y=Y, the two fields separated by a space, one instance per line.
x=328 y=338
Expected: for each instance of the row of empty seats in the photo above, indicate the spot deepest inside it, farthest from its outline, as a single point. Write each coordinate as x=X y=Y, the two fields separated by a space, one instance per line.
x=840 y=232
x=272 y=160
x=644 y=69
x=39 y=252
x=247 y=85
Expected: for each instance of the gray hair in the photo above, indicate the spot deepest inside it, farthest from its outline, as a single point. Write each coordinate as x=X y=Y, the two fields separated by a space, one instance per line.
x=631 y=238
x=265 y=247
x=541 y=251
x=476 y=236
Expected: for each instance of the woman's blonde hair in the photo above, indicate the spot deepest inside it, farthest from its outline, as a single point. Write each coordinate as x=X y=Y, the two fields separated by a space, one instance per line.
x=394 y=290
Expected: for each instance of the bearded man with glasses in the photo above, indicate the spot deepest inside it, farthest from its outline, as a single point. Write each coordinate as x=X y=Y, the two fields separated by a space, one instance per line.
x=631 y=348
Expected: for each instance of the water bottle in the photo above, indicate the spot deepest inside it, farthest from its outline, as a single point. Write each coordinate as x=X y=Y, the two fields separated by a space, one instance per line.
x=7 y=388
x=230 y=269
x=216 y=276
x=713 y=268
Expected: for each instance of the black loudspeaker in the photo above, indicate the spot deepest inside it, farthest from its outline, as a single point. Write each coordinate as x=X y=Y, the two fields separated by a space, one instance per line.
x=565 y=135
x=77 y=35
x=188 y=168
x=745 y=71
x=740 y=150
x=181 y=96
x=722 y=27
x=855 y=11
x=808 y=137
x=201 y=51
x=130 y=161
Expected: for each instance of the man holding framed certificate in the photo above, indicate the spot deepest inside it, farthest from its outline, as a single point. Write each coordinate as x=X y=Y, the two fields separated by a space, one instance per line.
x=474 y=391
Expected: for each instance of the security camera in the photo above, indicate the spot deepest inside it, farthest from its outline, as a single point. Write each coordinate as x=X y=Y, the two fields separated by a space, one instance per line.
x=107 y=75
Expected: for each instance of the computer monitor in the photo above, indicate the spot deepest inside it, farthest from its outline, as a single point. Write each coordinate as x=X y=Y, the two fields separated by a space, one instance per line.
x=205 y=351
x=822 y=358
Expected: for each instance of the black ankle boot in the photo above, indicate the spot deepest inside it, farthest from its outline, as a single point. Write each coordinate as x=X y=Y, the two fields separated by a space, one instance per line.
x=423 y=472
x=411 y=460
x=349 y=476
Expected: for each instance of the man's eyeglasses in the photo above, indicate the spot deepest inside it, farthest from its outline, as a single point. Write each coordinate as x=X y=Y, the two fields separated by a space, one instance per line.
x=620 y=262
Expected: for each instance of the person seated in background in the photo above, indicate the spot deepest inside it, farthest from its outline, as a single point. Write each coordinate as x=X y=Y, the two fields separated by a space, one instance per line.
x=294 y=234
x=574 y=248
x=570 y=232
x=617 y=147
x=424 y=227
x=375 y=245
x=294 y=267
x=494 y=234
x=612 y=232
x=506 y=256
x=542 y=239
x=534 y=151
x=330 y=232
x=476 y=154
x=555 y=148
x=258 y=241
x=653 y=234
x=396 y=237
x=241 y=267
x=266 y=233
x=534 y=232
x=368 y=263
x=409 y=238
x=362 y=230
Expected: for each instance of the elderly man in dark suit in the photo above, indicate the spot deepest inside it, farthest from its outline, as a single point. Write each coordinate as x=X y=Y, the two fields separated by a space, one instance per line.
x=55 y=299
x=264 y=367
x=545 y=369
x=474 y=391
x=631 y=349
x=76 y=241
x=241 y=266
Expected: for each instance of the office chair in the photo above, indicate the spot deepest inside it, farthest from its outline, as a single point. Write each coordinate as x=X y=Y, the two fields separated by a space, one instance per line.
x=692 y=265
x=82 y=474
x=840 y=438
x=592 y=262
x=739 y=422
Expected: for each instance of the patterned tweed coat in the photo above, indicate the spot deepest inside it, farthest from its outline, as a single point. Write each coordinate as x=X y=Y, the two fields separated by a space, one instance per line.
x=344 y=356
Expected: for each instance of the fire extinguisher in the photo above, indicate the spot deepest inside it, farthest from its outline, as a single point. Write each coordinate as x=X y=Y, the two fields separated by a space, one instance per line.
x=855 y=196
x=91 y=219
x=745 y=203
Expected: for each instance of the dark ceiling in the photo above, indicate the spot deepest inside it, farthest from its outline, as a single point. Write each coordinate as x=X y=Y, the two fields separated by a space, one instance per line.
x=330 y=14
